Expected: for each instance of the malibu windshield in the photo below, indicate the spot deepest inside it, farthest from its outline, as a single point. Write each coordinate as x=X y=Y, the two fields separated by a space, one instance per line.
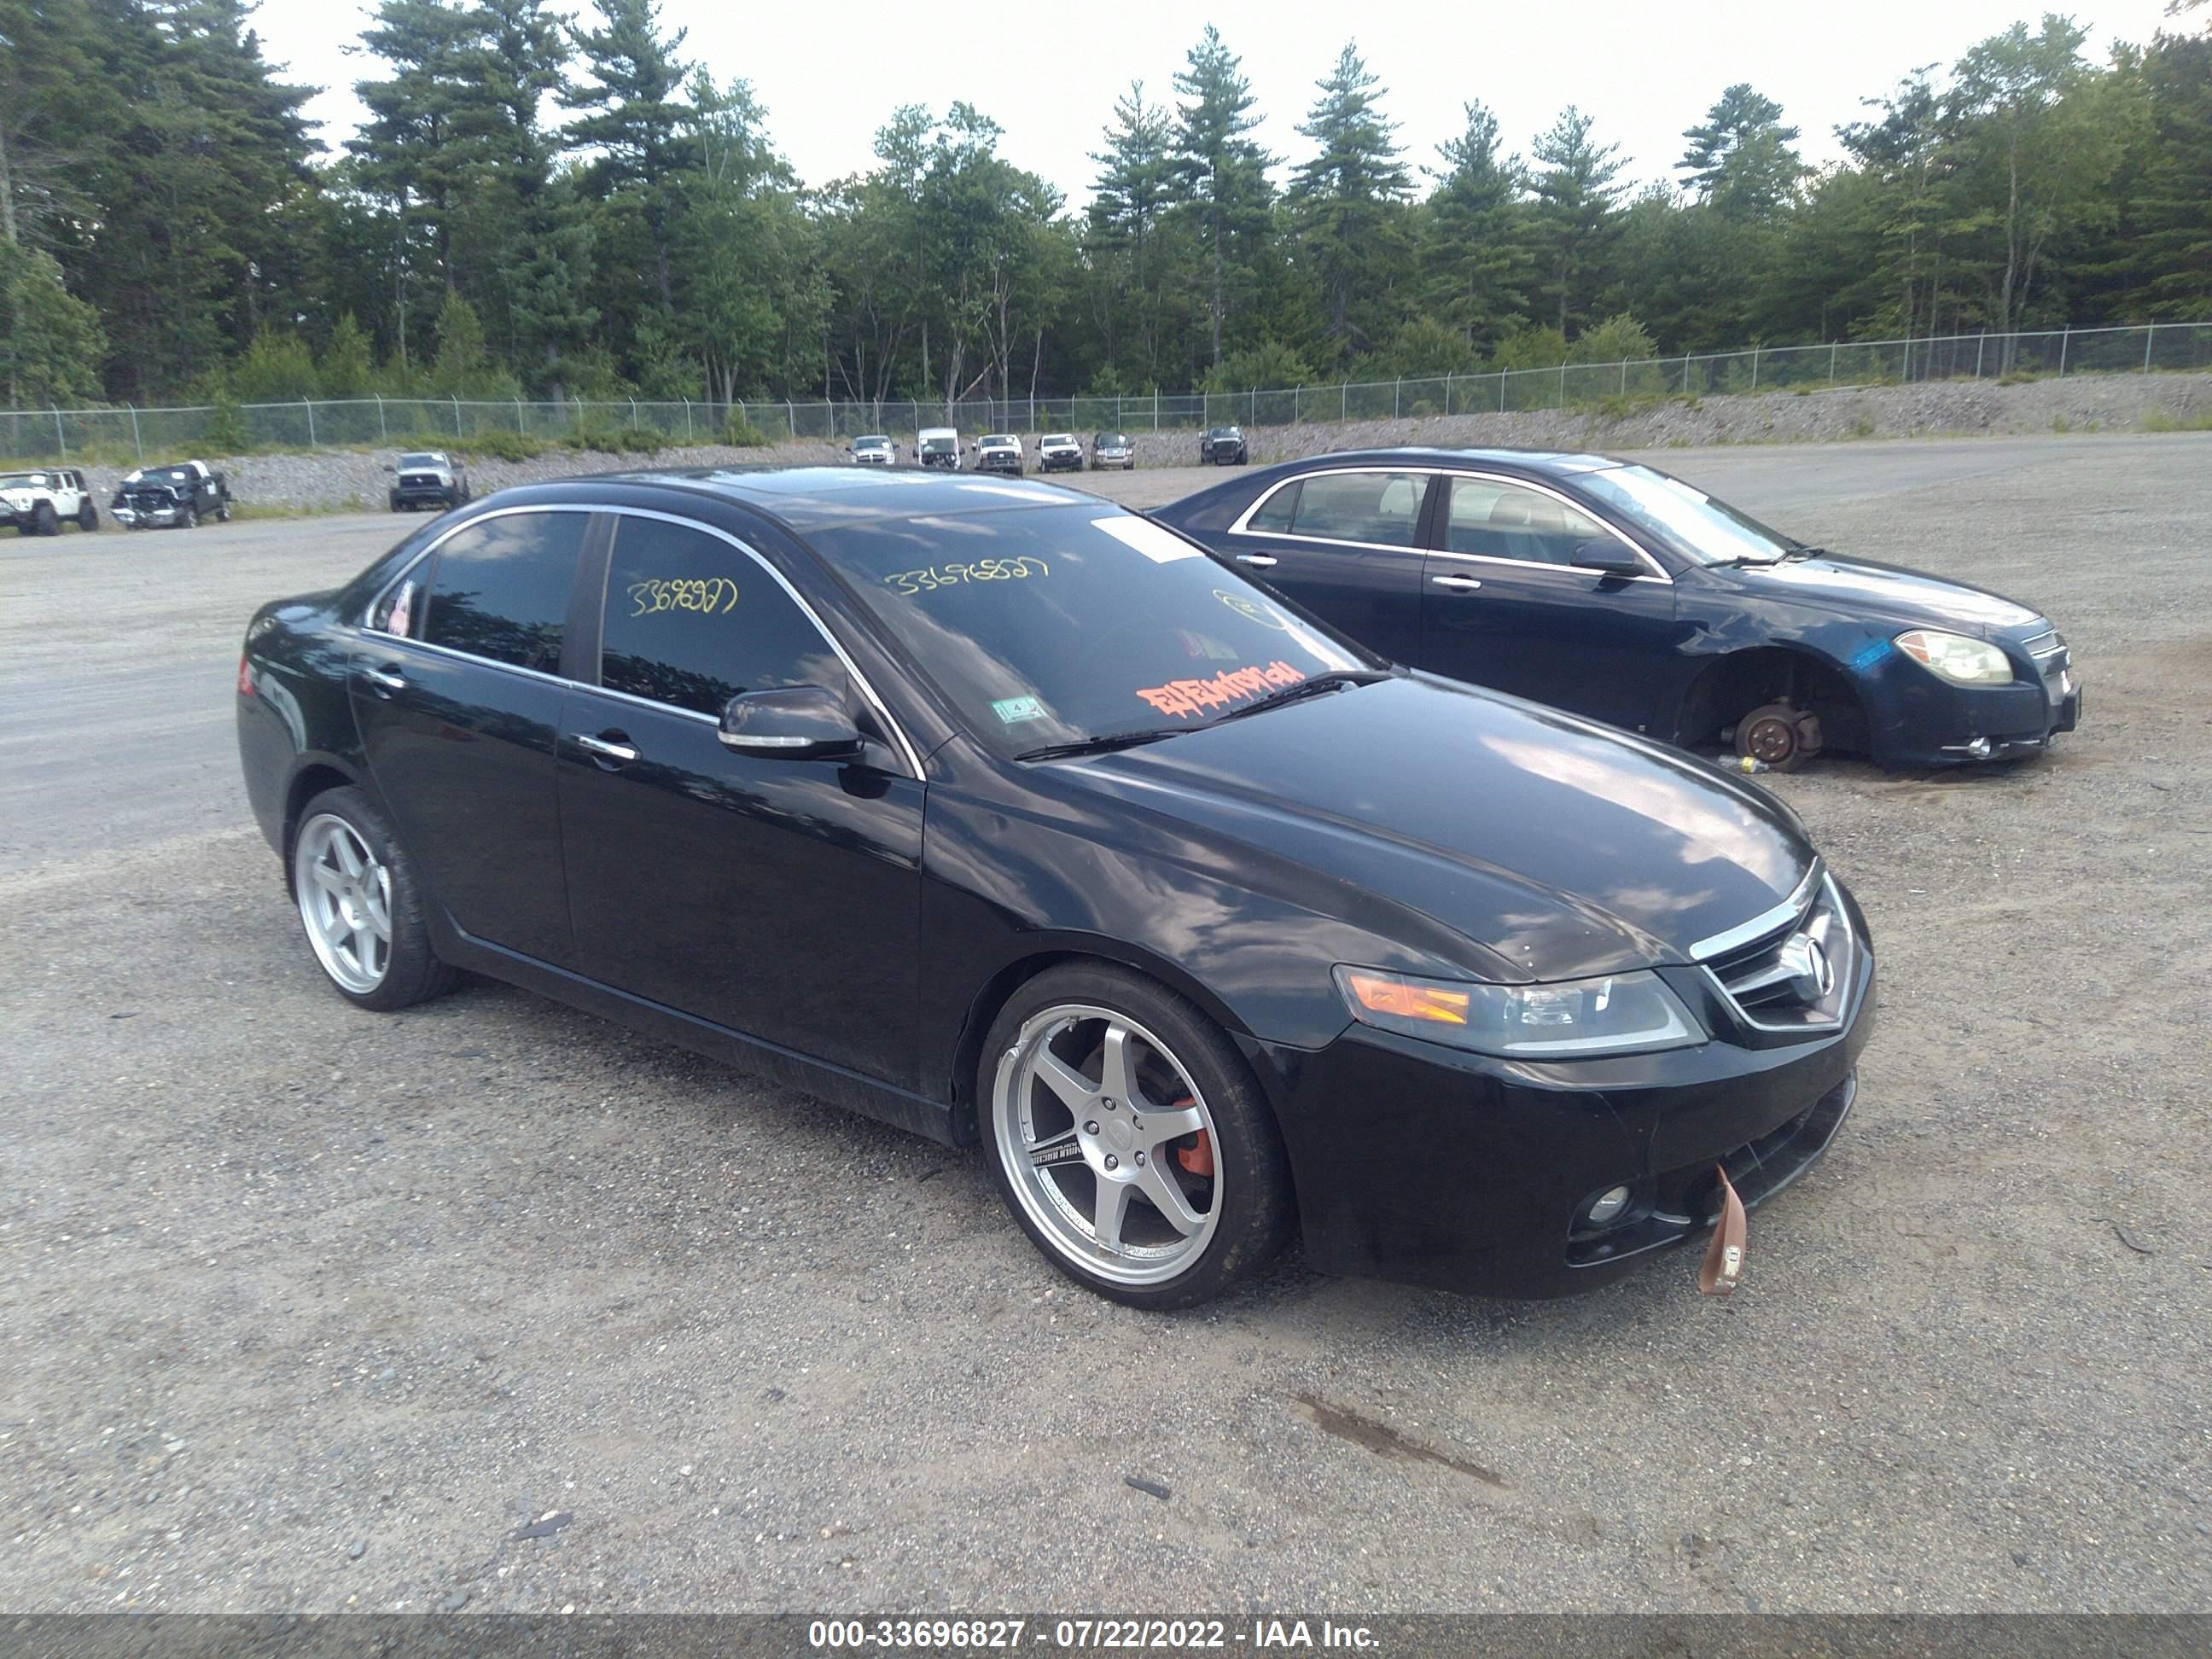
x=1688 y=520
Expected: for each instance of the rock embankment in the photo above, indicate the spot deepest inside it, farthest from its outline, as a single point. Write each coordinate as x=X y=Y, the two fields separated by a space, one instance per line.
x=339 y=480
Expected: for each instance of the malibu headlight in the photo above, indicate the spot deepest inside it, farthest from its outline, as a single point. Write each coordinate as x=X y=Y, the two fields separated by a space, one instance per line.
x=1955 y=658
x=1632 y=1013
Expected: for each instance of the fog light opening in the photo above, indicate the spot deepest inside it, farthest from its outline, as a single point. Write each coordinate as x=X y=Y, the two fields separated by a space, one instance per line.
x=1605 y=1208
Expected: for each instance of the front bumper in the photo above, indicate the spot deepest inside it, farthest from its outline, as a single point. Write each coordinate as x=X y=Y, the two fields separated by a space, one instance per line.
x=131 y=518
x=1011 y=467
x=1423 y=1165
x=1061 y=464
x=1917 y=720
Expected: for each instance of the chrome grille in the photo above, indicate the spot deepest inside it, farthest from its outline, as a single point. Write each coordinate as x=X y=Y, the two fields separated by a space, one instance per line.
x=1798 y=976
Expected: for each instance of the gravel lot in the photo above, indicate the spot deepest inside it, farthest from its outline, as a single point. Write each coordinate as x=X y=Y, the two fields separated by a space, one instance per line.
x=307 y=1309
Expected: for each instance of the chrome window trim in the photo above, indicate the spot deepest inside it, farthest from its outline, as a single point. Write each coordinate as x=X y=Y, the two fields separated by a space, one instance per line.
x=362 y=631
x=899 y=738
x=1654 y=571
x=1766 y=921
x=1244 y=519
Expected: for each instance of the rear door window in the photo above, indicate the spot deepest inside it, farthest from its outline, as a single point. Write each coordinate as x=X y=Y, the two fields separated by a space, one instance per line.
x=692 y=622
x=498 y=588
x=1381 y=507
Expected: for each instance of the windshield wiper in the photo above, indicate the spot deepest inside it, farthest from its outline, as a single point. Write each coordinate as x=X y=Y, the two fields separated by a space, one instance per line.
x=1328 y=682
x=1807 y=550
x=1104 y=745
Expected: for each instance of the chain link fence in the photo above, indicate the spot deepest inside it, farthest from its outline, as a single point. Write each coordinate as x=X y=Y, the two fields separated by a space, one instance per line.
x=123 y=434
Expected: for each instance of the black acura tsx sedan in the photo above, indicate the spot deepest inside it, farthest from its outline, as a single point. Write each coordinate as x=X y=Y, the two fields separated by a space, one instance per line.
x=1617 y=592
x=998 y=813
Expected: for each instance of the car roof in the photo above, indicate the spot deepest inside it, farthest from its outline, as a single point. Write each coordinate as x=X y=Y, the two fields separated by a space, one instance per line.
x=1548 y=462
x=804 y=498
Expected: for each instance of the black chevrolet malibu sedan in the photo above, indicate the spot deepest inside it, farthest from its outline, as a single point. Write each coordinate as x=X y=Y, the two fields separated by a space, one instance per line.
x=1007 y=815
x=1618 y=592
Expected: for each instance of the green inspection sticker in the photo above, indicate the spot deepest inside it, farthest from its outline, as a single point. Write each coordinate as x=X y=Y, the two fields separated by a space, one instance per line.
x=1014 y=710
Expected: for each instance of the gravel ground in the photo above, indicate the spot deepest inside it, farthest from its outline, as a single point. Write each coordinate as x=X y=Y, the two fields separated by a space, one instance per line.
x=492 y=1306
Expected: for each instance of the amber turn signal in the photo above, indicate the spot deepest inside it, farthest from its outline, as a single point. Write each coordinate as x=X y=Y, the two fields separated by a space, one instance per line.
x=1385 y=993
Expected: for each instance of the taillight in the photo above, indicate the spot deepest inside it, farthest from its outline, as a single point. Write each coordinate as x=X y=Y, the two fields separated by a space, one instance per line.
x=245 y=676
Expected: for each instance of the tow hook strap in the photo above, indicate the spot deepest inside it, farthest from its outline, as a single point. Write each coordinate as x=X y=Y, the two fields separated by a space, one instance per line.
x=1723 y=1263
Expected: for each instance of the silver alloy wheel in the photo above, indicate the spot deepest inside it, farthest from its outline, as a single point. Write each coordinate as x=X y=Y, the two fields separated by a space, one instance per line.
x=345 y=902
x=1086 y=1107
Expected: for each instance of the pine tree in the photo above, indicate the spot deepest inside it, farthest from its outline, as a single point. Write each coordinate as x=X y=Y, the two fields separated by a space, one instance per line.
x=1134 y=188
x=1475 y=253
x=634 y=120
x=1740 y=159
x=1576 y=195
x=1221 y=173
x=1345 y=200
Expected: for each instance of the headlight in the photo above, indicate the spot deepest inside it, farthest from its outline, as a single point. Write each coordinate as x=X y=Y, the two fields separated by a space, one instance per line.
x=1571 y=1019
x=1955 y=658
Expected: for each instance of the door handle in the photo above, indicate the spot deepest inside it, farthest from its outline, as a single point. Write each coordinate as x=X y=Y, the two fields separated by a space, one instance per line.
x=1457 y=584
x=1259 y=561
x=385 y=679
x=613 y=749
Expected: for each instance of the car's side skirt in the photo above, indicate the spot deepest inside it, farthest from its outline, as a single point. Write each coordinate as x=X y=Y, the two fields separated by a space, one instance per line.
x=833 y=1084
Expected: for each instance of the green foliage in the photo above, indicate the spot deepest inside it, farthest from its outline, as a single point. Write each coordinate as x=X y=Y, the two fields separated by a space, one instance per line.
x=50 y=341
x=494 y=443
x=462 y=242
x=226 y=432
x=1530 y=348
x=1422 y=348
x=1618 y=339
x=275 y=368
x=346 y=367
x=1261 y=367
x=738 y=432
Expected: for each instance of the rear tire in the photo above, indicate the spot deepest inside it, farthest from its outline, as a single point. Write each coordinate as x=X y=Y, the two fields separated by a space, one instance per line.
x=362 y=905
x=88 y=515
x=1195 y=1200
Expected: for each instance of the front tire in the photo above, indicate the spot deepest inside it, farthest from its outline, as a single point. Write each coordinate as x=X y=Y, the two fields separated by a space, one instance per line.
x=43 y=522
x=360 y=904
x=1130 y=1139
x=1781 y=736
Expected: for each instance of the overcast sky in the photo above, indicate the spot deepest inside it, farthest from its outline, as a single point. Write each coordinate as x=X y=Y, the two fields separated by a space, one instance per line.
x=1048 y=73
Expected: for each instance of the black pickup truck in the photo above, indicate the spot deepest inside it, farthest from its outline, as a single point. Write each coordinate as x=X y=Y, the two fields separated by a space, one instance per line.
x=177 y=494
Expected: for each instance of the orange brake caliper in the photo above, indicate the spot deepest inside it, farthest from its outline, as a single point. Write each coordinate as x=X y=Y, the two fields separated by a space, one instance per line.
x=1197 y=1160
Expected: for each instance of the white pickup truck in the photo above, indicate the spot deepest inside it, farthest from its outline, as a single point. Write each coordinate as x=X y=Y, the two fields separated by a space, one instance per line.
x=39 y=502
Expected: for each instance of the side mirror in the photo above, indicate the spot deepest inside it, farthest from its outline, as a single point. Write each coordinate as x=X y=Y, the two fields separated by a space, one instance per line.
x=1608 y=557
x=392 y=469
x=794 y=722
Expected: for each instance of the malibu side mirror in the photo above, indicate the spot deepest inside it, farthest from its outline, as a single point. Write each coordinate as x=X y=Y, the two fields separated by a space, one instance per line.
x=795 y=722
x=1607 y=556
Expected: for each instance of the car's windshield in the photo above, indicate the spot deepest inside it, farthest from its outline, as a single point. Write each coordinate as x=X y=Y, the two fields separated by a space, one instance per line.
x=1112 y=439
x=1047 y=625
x=1056 y=438
x=871 y=443
x=423 y=458
x=22 y=480
x=998 y=441
x=1691 y=522
x=937 y=446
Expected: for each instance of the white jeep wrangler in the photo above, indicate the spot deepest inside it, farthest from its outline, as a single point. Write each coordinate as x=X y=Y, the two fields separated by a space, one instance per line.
x=38 y=503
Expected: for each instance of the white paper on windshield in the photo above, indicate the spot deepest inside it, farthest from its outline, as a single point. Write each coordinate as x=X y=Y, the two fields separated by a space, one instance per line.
x=1149 y=540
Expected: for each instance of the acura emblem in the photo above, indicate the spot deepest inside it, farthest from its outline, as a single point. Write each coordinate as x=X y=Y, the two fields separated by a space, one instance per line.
x=1812 y=975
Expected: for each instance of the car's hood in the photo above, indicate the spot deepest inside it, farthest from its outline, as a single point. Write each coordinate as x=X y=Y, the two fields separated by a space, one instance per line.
x=1557 y=846
x=1909 y=598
